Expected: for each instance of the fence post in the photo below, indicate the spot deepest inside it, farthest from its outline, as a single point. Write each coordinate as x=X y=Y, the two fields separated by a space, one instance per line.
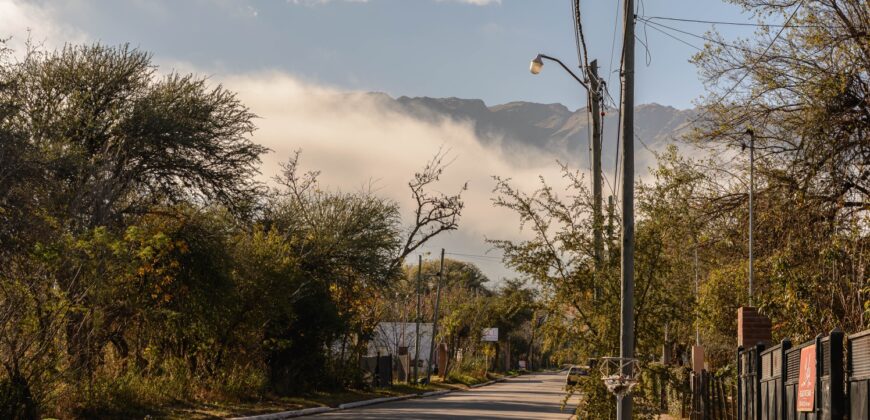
x=739 y=384
x=836 y=375
x=784 y=346
x=757 y=381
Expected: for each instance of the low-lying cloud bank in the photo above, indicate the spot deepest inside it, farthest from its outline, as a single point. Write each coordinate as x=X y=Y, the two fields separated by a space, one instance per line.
x=359 y=140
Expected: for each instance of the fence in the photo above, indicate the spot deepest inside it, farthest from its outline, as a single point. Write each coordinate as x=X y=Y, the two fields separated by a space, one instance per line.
x=768 y=380
x=749 y=382
x=712 y=397
x=858 y=376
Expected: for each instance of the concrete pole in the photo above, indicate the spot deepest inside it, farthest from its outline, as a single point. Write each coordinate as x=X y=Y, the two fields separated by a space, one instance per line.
x=435 y=322
x=417 y=326
x=697 y=295
x=626 y=339
x=751 y=210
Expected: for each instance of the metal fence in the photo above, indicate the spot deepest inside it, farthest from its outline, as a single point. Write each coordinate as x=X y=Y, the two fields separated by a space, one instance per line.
x=768 y=379
x=858 y=375
x=749 y=382
x=772 y=386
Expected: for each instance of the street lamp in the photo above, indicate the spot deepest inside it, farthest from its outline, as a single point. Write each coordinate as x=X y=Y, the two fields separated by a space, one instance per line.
x=538 y=63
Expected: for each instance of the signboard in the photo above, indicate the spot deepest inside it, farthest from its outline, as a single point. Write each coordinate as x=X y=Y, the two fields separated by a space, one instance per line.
x=522 y=364
x=490 y=334
x=806 y=395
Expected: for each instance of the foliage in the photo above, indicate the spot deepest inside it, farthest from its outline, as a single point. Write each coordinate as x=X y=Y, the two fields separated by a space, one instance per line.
x=143 y=264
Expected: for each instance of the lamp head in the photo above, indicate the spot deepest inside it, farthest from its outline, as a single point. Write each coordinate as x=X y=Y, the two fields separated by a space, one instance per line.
x=536 y=64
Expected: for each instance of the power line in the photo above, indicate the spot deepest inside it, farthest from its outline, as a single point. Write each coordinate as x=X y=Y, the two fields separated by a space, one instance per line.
x=613 y=41
x=578 y=33
x=674 y=37
x=757 y=61
x=716 y=22
x=490 y=257
x=713 y=40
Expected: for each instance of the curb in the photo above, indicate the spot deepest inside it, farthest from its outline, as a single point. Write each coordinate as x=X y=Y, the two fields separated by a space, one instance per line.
x=434 y=393
x=288 y=414
x=364 y=403
x=355 y=404
x=482 y=384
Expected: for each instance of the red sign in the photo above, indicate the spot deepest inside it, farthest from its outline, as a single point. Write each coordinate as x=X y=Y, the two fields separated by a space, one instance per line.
x=806 y=395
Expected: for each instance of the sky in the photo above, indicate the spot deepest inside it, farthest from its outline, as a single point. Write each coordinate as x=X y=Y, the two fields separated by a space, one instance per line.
x=298 y=64
x=463 y=48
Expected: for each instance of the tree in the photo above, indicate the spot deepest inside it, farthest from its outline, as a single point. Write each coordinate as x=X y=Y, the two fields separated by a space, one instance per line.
x=803 y=90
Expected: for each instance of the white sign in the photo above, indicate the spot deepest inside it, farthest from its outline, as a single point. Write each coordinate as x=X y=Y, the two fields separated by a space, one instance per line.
x=490 y=334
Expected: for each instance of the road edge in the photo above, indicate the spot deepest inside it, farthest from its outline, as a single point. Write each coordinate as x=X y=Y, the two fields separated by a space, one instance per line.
x=363 y=403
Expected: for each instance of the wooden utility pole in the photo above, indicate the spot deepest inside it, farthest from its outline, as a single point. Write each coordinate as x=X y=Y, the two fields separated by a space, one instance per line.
x=626 y=338
x=435 y=321
x=595 y=109
x=417 y=327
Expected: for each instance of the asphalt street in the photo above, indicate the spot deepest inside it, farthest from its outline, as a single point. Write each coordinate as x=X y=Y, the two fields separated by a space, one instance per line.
x=536 y=396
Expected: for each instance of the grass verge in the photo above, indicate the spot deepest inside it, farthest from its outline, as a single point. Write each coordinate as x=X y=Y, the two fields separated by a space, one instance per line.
x=279 y=404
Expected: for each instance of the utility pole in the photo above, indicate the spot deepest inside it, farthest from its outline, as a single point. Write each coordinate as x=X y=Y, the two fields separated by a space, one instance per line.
x=626 y=338
x=697 y=295
x=751 y=211
x=435 y=321
x=417 y=328
x=597 y=219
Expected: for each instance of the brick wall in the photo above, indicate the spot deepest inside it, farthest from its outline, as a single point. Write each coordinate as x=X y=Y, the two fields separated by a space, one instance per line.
x=752 y=327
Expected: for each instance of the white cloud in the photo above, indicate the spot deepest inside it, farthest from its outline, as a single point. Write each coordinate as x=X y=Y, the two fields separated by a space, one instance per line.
x=473 y=2
x=319 y=2
x=356 y=138
x=40 y=22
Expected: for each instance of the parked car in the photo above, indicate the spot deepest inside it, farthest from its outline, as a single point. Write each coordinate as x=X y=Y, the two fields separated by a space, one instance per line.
x=575 y=373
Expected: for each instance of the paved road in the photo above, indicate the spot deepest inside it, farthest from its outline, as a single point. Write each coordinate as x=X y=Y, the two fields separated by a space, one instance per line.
x=537 y=396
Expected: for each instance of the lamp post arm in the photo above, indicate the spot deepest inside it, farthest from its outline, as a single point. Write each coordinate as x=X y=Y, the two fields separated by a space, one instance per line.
x=579 y=80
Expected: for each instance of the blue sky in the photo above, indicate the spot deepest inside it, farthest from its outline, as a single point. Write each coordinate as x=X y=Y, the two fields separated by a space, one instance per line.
x=293 y=62
x=404 y=47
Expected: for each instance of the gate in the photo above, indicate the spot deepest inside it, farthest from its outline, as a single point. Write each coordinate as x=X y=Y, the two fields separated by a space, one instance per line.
x=749 y=382
x=858 y=376
x=767 y=380
x=773 y=396
x=829 y=395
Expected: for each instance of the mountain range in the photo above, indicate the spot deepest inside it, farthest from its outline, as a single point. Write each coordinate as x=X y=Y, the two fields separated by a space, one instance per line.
x=552 y=130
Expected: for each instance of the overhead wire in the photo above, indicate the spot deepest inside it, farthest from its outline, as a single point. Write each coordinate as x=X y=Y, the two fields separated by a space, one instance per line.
x=576 y=33
x=578 y=28
x=758 y=60
x=613 y=40
x=717 y=22
x=674 y=37
x=705 y=38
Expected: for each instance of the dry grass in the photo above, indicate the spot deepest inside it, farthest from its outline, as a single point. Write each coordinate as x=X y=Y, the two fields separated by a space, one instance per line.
x=278 y=404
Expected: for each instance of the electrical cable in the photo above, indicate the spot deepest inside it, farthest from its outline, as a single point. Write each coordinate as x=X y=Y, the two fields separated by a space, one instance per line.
x=713 y=40
x=756 y=62
x=674 y=37
x=579 y=28
x=715 y=22
x=613 y=41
